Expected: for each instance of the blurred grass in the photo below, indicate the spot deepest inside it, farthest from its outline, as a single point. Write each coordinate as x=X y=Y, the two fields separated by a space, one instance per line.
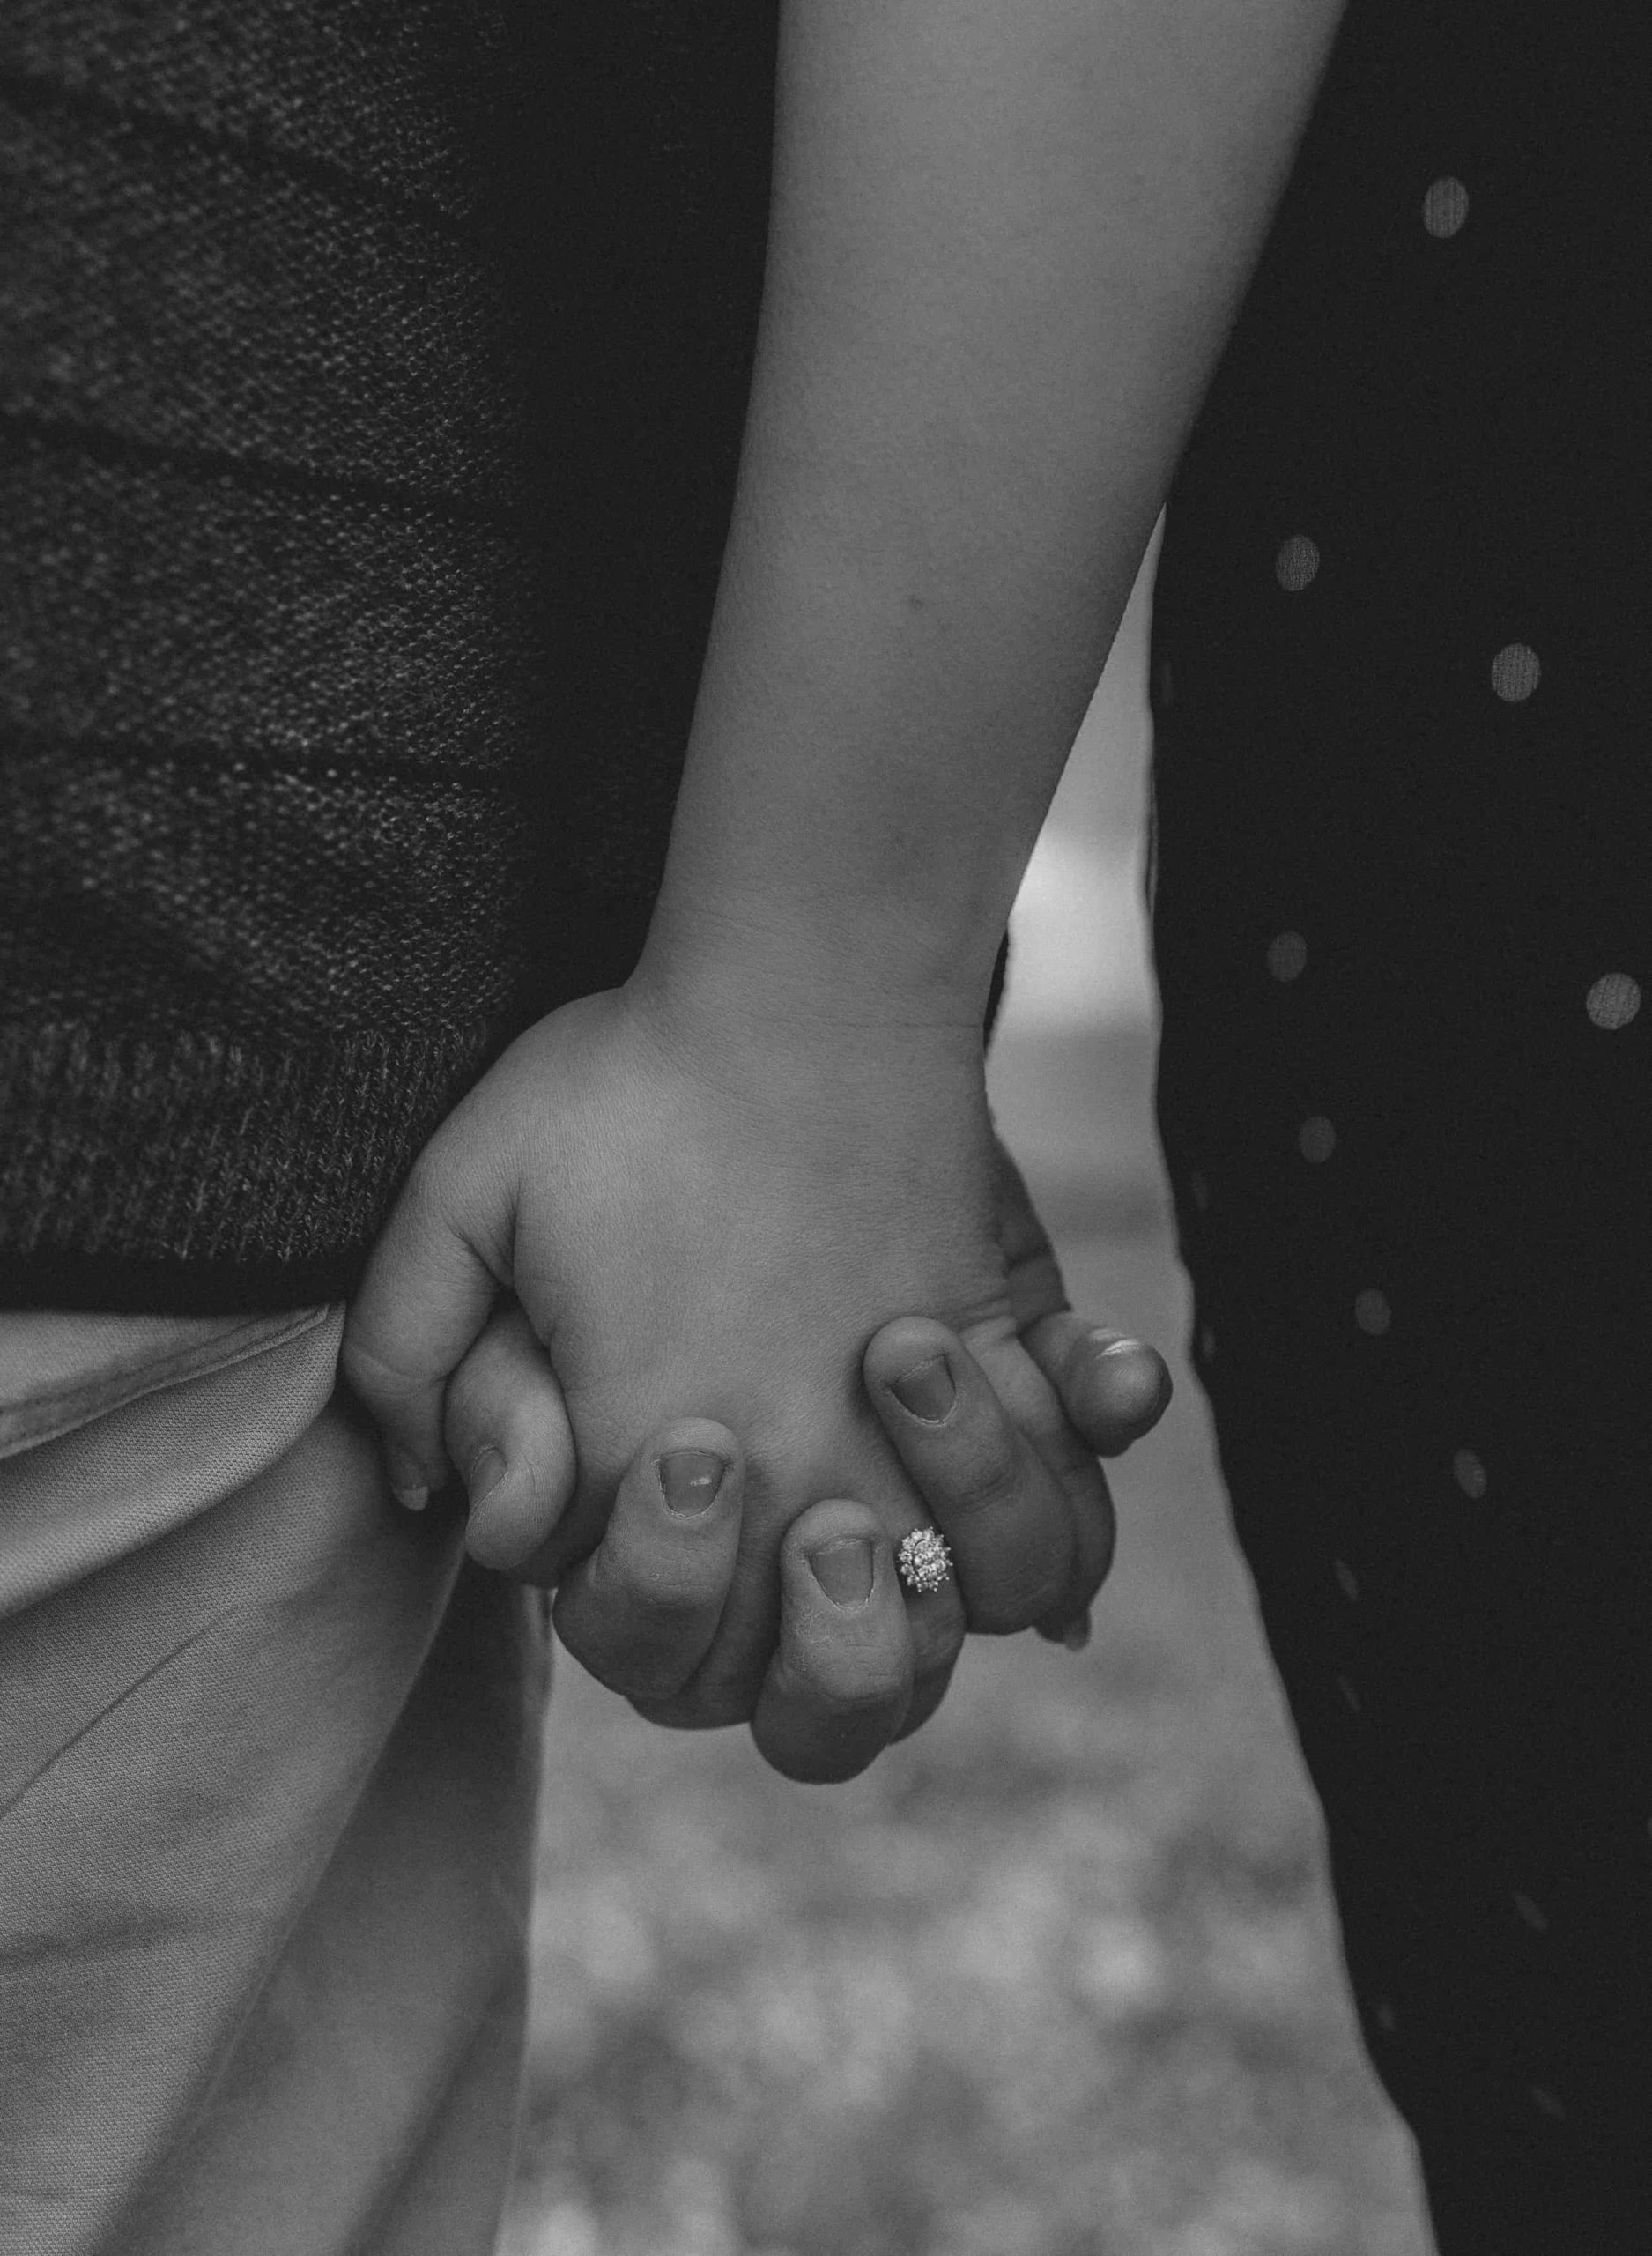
x=1059 y=1976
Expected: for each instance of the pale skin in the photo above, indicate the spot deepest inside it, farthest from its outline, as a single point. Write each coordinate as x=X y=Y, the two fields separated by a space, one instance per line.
x=641 y=1611
x=1006 y=246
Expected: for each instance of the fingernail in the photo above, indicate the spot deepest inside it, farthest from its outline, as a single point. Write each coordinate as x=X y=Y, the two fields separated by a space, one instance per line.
x=408 y=1484
x=926 y=1390
x=1163 y=1384
x=690 y=1480
x=844 y=1569
x=488 y=1470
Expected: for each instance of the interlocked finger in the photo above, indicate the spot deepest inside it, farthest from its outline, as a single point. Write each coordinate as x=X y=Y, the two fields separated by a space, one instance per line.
x=641 y=1611
x=507 y=1432
x=839 y=1686
x=1001 y=1509
x=1112 y=1389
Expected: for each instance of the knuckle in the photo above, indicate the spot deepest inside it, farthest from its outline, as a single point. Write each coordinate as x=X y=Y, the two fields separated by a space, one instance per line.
x=988 y=1476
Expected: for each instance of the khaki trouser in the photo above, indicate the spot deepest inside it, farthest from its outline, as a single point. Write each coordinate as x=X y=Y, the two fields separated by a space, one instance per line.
x=268 y=1764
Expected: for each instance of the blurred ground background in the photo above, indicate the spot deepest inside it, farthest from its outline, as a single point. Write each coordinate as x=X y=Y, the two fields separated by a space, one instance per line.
x=1059 y=1977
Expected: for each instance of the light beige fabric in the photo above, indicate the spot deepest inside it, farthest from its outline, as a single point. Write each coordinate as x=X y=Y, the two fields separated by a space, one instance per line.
x=268 y=1763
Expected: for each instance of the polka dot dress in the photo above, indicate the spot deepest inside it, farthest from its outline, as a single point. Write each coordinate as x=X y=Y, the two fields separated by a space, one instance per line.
x=1401 y=689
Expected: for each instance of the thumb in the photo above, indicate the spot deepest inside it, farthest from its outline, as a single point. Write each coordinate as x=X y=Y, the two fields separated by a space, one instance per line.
x=1112 y=1389
x=425 y=1300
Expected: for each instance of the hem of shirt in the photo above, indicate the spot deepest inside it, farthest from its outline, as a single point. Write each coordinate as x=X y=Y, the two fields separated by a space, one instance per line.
x=189 y=1172
x=115 y=1285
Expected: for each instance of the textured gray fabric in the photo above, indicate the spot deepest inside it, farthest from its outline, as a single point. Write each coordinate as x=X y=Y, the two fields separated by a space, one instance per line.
x=293 y=832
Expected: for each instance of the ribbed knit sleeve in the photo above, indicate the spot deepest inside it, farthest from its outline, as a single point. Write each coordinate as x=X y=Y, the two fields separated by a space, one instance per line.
x=358 y=533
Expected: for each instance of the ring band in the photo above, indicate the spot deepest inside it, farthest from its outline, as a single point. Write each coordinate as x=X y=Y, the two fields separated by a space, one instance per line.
x=925 y=1560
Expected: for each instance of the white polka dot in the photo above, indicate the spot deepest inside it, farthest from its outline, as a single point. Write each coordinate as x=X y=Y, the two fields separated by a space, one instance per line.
x=1348 y=1693
x=1613 y=1000
x=1468 y=1474
x=1287 y=955
x=1199 y=1191
x=1345 y=1577
x=1445 y=206
x=1516 y=672
x=1532 y=1914
x=1543 y=2099
x=1317 y=1139
x=1296 y=563
x=1372 y=1312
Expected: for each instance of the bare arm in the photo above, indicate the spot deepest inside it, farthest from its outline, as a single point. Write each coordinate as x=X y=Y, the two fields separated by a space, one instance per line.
x=1008 y=238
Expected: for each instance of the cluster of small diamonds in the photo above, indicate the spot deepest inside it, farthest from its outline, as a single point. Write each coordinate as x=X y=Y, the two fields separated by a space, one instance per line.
x=923 y=1560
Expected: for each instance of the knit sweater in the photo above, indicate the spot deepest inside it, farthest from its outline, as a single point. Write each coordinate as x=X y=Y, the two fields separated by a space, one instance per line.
x=371 y=382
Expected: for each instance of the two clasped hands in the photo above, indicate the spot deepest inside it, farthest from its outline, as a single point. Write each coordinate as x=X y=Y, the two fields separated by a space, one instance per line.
x=1004 y=248
x=646 y=1295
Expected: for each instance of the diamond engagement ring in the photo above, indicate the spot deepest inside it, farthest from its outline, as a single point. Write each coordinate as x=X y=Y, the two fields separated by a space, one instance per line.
x=925 y=1560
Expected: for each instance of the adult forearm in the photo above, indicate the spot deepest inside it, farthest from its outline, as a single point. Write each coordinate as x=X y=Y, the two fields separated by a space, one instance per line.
x=1008 y=240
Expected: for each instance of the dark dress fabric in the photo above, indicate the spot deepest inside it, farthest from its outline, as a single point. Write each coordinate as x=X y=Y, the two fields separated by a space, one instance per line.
x=371 y=386
x=1402 y=676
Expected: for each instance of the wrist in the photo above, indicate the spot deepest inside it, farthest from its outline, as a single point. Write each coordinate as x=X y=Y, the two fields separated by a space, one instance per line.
x=794 y=961
x=744 y=1007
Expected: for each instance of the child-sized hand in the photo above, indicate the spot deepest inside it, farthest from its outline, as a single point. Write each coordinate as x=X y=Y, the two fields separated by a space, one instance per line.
x=708 y=1212
x=641 y=1611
